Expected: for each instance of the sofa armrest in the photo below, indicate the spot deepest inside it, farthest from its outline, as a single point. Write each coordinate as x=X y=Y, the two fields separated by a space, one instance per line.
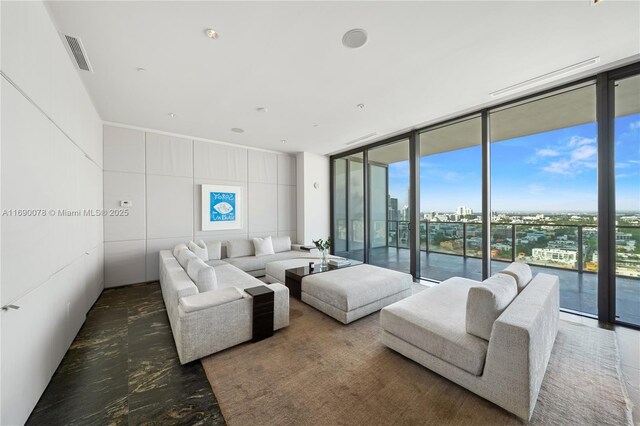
x=210 y=299
x=297 y=247
x=521 y=342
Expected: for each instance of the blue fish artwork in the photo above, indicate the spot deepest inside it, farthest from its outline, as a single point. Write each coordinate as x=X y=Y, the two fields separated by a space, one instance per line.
x=222 y=206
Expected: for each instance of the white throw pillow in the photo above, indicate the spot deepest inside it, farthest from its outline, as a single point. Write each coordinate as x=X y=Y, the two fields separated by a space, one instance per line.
x=203 y=275
x=214 y=248
x=185 y=256
x=178 y=248
x=199 y=249
x=281 y=244
x=240 y=248
x=485 y=303
x=263 y=246
x=521 y=272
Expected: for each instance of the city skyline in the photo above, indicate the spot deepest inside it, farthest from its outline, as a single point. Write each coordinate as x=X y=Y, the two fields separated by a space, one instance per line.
x=554 y=172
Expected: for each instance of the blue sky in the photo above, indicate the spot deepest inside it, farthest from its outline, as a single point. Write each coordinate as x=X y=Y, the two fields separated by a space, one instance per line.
x=548 y=172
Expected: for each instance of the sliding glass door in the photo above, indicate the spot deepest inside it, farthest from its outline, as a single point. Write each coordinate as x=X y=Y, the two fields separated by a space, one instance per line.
x=451 y=200
x=389 y=206
x=348 y=207
x=627 y=189
x=544 y=190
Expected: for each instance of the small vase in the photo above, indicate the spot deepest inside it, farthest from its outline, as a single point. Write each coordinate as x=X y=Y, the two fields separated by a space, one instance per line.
x=324 y=257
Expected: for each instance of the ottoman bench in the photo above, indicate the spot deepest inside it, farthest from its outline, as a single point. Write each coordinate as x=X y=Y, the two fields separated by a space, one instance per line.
x=351 y=293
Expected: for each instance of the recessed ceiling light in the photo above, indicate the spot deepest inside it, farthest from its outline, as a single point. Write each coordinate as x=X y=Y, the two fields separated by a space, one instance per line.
x=283 y=141
x=171 y=115
x=360 y=106
x=354 y=38
x=141 y=69
x=237 y=130
x=262 y=109
x=211 y=33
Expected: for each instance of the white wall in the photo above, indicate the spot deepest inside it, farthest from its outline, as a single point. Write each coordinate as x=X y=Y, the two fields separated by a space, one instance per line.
x=313 y=203
x=162 y=174
x=51 y=145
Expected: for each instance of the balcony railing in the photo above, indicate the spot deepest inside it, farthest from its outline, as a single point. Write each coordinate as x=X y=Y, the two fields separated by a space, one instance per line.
x=572 y=247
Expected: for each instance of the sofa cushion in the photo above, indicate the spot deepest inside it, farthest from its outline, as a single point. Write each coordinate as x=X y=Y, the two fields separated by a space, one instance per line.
x=185 y=256
x=230 y=276
x=281 y=244
x=240 y=248
x=521 y=272
x=203 y=275
x=178 y=248
x=258 y=263
x=199 y=249
x=487 y=301
x=263 y=246
x=433 y=320
x=214 y=249
x=211 y=298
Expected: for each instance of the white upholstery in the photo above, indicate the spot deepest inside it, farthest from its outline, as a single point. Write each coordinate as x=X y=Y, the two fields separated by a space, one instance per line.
x=518 y=351
x=212 y=298
x=185 y=256
x=199 y=249
x=263 y=246
x=276 y=269
x=214 y=249
x=240 y=248
x=259 y=263
x=351 y=288
x=281 y=244
x=521 y=272
x=208 y=322
x=433 y=321
x=178 y=248
x=202 y=275
x=487 y=301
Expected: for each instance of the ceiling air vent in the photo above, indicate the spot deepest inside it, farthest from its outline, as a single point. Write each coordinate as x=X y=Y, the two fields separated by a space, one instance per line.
x=76 y=50
x=361 y=138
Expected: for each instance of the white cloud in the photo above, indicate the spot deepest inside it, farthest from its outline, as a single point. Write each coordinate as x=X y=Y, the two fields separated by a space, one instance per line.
x=559 y=168
x=576 y=141
x=583 y=152
x=635 y=125
x=623 y=165
x=547 y=153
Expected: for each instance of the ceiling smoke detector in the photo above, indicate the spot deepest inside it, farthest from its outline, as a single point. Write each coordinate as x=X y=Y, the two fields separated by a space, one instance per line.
x=172 y=115
x=211 y=33
x=354 y=38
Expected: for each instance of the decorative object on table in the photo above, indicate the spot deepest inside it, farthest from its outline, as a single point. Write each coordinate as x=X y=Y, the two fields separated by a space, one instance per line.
x=339 y=262
x=311 y=266
x=308 y=247
x=221 y=207
x=323 y=246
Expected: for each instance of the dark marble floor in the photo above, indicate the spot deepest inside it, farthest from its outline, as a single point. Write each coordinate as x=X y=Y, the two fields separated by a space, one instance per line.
x=123 y=368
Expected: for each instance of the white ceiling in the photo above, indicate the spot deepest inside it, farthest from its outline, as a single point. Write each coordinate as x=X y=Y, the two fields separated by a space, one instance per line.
x=424 y=61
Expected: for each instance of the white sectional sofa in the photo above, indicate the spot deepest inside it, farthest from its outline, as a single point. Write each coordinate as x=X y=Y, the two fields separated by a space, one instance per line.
x=209 y=316
x=493 y=338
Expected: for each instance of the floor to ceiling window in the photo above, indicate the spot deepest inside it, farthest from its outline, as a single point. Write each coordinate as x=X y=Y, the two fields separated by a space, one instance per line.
x=389 y=221
x=544 y=190
x=538 y=180
x=451 y=200
x=627 y=187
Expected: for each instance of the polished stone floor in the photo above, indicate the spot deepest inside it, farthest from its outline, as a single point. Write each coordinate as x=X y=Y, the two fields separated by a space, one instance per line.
x=123 y=368
x=578 y=291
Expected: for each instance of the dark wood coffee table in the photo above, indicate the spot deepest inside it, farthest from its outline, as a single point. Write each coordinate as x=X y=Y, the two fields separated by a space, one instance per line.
x=294 y=276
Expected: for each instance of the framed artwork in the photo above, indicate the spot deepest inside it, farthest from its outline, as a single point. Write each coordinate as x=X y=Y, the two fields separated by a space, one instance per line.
x=221 y=207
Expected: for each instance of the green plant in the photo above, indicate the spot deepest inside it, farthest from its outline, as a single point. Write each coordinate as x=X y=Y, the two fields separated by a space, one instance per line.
x=323 y=244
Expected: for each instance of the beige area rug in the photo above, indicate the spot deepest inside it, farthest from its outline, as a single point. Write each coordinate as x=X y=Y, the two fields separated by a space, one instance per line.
x=320 y=372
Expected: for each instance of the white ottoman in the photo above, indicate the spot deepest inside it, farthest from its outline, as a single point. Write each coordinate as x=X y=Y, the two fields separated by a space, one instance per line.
x=275 y=271
x=350 y=293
